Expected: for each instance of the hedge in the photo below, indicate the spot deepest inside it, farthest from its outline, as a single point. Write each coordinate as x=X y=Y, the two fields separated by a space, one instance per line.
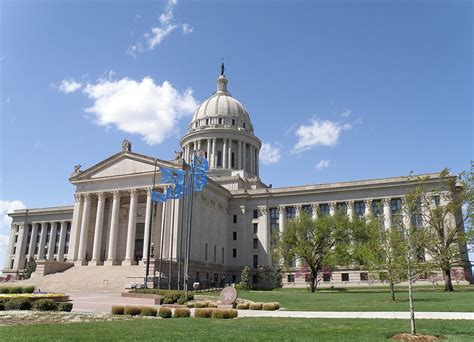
x=65 y=306
x=164 y=312
x=169 y=296
x=45 y=305
x=243 y=306
x=18 y=304
x=181 y=312
x=118 y=310
x=148 y=311
x=224 y=313
x=203 y=313
x=202 y=304
x=16 y=289
x=132 y=310
x=255 y=306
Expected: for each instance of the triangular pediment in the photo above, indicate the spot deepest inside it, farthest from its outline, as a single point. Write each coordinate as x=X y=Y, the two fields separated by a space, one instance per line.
x=121 y=164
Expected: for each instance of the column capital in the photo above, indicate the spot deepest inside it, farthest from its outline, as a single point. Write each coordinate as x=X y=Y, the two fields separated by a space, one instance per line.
x=368 y=202
x=133 y=193
x=101 y=196
x=77 y=197
x=332 y=205
x=298 y=208
x=149 y=191
x=116 y=194
x=87 y=196
x=314 y=206
x=281 y=209
x=263 y=209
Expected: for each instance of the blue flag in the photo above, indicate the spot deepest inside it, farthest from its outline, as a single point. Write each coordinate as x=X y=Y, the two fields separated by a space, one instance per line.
x=157 y=196
x=200 y=180
x=174 y=193
x=169 y=175
x=200 y=163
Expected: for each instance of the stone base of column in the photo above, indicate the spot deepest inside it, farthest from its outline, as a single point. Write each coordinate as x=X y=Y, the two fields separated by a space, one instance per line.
x=112 y=262
x=129 y=262
x=80 y=263
x=96 y=262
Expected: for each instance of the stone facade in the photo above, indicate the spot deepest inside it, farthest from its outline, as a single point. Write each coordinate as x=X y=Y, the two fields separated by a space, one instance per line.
x=234 y=216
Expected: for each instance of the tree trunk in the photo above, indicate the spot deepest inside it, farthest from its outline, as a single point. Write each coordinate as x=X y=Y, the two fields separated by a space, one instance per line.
x=312 y=282
x=392 y=292
x=448 y=285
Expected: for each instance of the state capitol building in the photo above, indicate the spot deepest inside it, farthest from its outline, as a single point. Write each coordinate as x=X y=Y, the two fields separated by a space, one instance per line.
x=101 y=240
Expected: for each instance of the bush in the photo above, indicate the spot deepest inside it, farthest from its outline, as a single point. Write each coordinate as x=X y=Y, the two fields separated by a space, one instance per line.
x=255 y=306
x=169 y=300
x=118 y=310
x=212 y=305
x=66 y=306
x=203 y=313
x=16 y=289
x=200 y=305
x=132 y=310
x=28 y=289
x=173 y=295
x=243 y=306
x=45 y=305
x=182 y=301
x=224 y=313
x=164 y=312
x=277 y=305
x=148 y=311
x=18 y=304
x=270 y=306
x=181 y=312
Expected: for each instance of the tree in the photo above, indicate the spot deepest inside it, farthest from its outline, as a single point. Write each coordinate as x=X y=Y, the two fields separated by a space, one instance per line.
x=442 y=234
x=319 y=243
x=29 y=268
x=245 y=279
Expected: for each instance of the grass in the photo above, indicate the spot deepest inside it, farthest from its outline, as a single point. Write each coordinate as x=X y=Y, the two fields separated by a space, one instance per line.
x=365 y=299
x=242 y=329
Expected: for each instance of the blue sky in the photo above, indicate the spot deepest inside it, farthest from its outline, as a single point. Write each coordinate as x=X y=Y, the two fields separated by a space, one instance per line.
x=338 y=90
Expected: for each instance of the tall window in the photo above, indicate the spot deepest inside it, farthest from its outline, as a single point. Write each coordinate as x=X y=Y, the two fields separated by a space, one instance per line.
x=56 y=242
x=359 y=208
x=255 y=261
x=436 y=200
x=255 y=213
x=255 y=228
x=396 y=210
x=416 y=217
x=205 y=251
x=222 y=256
x=215 y=253
x=232 y=158
x=274 y=222
x=255 y=243
x=341 y=207
x=219 y=158
x=234 y=219
x=220 y=121
x=290 y=213
x=234 y=236
x=308 y=209
x=377 y=208
x=234 y=252
x=68 y=237
x=324 y=208
x=233 y=122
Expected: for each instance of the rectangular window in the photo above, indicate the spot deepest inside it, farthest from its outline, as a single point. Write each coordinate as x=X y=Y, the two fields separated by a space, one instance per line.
x=345 y=276
x=232 y=160
x=234 y=236
x=324 y=209
x=255 y=243
x=207 y=122
x=197 y=276
x=16 y=238
x=234 y=219
x=30 y=231
x=255 y=213
x=233 y=122
x=308 y=209
x=220 y=121
x=436 y=200
x=234 y=278
x=274 y=223
x=416 y=217
x=56 y=242
x=359 y=208
x=364 y=276
x=255 y=261
x=222 y=255
x=291 y=278
x=255 y=228
x=341 y=207
x=326 y=277
x=205 y=251
x=68 y=237
x=377 y=208
x=290 y=213
x=243 y=124
x=234 y=252
x=215 y=253
x=219 y=158
x=395 y=205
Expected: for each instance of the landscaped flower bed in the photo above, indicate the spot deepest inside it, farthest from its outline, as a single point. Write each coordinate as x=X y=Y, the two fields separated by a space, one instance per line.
x=58 y=297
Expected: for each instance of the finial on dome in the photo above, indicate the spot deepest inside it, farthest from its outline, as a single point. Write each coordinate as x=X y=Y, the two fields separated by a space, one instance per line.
x=222 y=67
x=222 y=81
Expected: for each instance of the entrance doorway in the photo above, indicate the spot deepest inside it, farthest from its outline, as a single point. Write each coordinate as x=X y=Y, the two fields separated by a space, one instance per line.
x=139 y=236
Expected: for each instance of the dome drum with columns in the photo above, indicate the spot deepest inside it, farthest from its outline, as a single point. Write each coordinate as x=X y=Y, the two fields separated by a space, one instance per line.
x=222 y=130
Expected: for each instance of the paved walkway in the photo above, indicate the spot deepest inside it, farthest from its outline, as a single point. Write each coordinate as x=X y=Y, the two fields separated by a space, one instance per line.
x=101 y=302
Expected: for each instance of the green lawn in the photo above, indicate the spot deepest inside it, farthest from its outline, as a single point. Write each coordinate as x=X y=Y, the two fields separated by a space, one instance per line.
x=364 y=299
x=242 y=329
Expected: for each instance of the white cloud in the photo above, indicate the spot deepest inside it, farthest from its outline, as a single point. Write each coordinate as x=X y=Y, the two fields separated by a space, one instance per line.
x=346 y=113
x=5 y=225
x=318 y=133
x=140 y=107
x=160 y=32
x=269 y=154
x=323 y=164
x=69 y=86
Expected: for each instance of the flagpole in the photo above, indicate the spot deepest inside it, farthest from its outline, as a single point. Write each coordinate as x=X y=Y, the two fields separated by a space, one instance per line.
x=147 y=272
x=188 y=238
x=170 y=268
x=181 y=232
x=163 y=225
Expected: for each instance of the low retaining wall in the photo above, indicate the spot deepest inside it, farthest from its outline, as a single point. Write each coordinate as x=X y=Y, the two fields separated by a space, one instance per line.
x=44 y=267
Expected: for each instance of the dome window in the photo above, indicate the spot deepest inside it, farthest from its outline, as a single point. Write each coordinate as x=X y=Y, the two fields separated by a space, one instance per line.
x=220 y=121
x=233 y=122
x=207 y=122
x=243 y=125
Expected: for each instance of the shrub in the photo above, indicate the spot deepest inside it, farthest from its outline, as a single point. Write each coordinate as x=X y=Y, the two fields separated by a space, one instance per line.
x=164 y=312
x=18 y=304
x=224 y=313
x=28 y=289
x=45 y=305
x=255 y=306
x=66 y=306
x=243 y=306
x=118 y=310
x=169 y=300
x=212 y=305
x=270 y=306
x=277 y=305
x=182 y=300
x=200 y=305
x=2 y=306
x=173 y=295
x=148 y=311
x=203 y=313
x=16 y=289
x=132 y=310
x=181 y=312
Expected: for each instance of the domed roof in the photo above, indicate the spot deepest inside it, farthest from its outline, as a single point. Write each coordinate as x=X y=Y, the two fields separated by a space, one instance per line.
x=221 y=109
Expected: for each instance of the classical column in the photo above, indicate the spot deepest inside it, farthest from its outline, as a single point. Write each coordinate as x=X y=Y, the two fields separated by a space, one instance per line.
x=244 y=156
x=239 y=155
x=81 y=257
x=208 y=147
x=114 y=223
x=62 y=240
x=281 y=218
x=34 y=233
x=297 y=210
x=199 y=145
x=368 y=208
x=257 y=161
x=132 y=219
x=350 y=209
x=213 y=153
x=387 y=213
x=52 y=241
x=10 y=247
x=251 y=156
x=405 y=215
x=264 y=235
x=224 y=153
x=75 y=227
x=44 y=229
x=98 y=229
x=146 y=237
x=19 y=254
x=332 y=208
x=229 y=159
x=314 y=208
